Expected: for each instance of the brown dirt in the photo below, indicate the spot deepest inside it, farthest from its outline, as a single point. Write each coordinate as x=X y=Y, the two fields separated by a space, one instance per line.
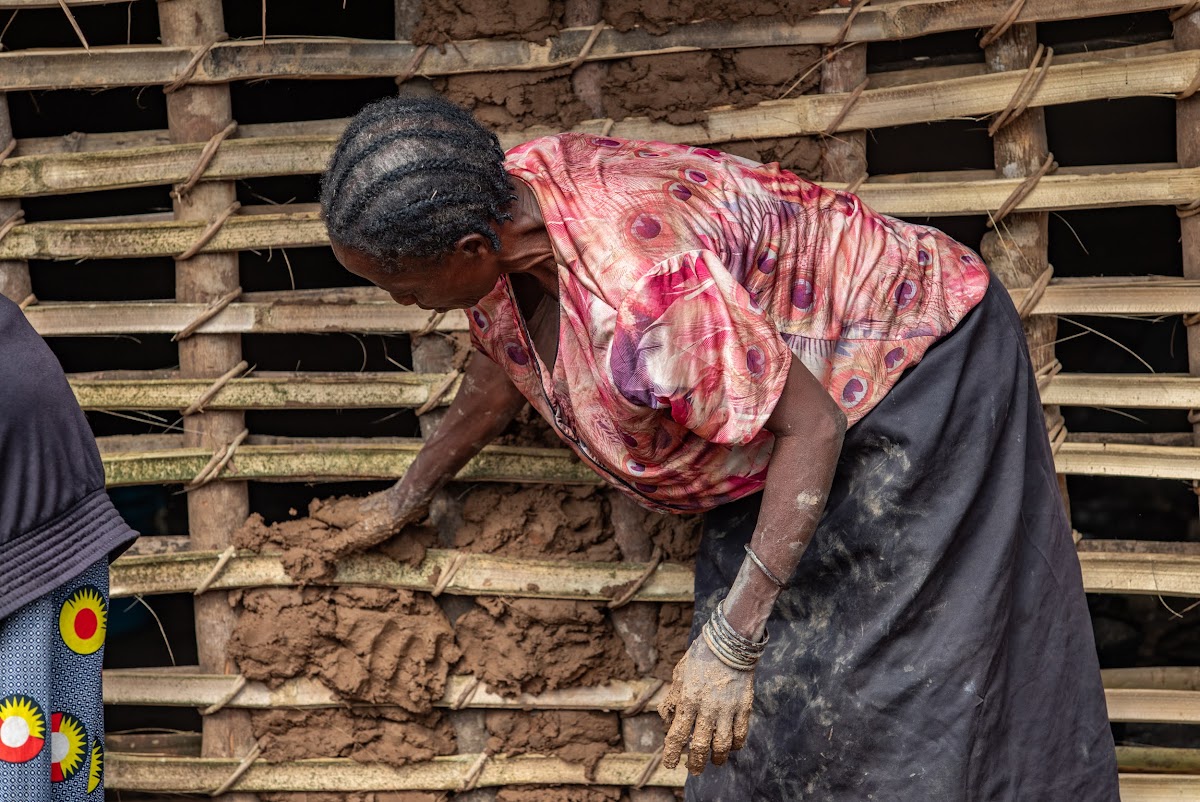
x=383 y=735
x=305 y=544
x=516 y=100
x=573 y=735
x=367 y=644
x=537 y=521
x=529 y=429
x=532 y=645
x=559 y=793
x=445 y=20
x=674 y=624
x=658 y=18
x=361 y=796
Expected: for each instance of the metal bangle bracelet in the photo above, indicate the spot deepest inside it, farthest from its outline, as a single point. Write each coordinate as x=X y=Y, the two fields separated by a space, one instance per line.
x=767 y=572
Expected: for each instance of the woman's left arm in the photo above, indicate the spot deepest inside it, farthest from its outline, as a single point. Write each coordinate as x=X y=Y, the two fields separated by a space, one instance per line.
x=709 y=702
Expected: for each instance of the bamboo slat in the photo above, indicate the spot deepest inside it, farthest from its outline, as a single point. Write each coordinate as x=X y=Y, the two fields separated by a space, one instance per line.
x=1108 y=459
x=970 y=96
x=1137 y=572
x=338 y=58
x=142 y=686
x=1141 y=391
x=125 y=772
x=124 y=239
x=178 y=744
x=479 y=575
x=164 y=317
x=348 y=462
x=288 y=391
x=1158 y=760
x=1172 y=678
x=201 y=775
x=369 y=390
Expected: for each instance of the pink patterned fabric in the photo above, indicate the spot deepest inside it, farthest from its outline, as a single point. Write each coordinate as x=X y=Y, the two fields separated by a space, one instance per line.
x=688 y=278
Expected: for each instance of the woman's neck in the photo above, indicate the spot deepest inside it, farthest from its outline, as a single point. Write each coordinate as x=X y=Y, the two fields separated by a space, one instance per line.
x=525 y=243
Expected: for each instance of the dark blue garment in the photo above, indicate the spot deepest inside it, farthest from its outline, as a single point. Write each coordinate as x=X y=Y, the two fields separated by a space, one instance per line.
x=55 y=518
x=934 y=643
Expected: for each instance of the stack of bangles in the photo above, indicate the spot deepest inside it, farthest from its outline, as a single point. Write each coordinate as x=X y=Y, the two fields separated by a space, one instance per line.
x=730 y=647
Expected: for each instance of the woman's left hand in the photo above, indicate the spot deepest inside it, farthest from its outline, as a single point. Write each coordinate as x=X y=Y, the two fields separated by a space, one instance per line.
x=709 y=704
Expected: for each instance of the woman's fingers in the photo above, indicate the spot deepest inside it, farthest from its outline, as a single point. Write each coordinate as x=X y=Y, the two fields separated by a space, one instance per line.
x=722 y=738
x=741 y=725
x=701 y=739
x=677 y=736
x=666 y=708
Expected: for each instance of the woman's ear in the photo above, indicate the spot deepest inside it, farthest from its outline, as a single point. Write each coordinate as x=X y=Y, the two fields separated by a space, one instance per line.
x=473 y=245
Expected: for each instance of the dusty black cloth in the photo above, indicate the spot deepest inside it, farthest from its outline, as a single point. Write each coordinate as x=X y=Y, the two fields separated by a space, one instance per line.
x=55 y=517
x=934 y=643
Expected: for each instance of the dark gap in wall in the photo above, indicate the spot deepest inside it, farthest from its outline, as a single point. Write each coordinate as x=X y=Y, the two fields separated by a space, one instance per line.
x=102 y=25
x=276 y=500
x=123 y=352
x=57 y=112
x=929 y=147
x=1134 y=130
x=281 y=190
x=311 y=18
x=394 y=422
x=278 y=101
x=328 y=352
x=1124 y=508
x=104 y=280
x=954 y=47
x=106 y=203
x=1121 y=30
x=294 y=268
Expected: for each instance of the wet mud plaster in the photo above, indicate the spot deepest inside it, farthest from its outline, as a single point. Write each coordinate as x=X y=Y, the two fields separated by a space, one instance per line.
x=445 y=20
x=534 y=645
x=560 y=793
x=308 y=546
x=368 y=735
x=536 y=522
x=364 y=796
x=575 y=736
x=369 y=645
x=674 y=626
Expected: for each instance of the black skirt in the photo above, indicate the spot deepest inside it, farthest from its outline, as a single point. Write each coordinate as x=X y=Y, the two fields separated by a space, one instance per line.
x=934 y=642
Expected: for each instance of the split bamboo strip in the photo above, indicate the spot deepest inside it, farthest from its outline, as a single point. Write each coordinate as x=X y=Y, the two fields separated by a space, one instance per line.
x=1158 y=760
x=323 y=462
x=177 y=744
x=163 y=317
x=478 y=575
x=1173 y=678
x=287 y=391
x=197 y=775
x=978 y=95
x=147 y=686
x=366 y=310
x=1159 y=788
x=407 y=390
x=135 y=238
x=340 y=58
x=1135 y=572
x=1150 y=462
x=1141 y=391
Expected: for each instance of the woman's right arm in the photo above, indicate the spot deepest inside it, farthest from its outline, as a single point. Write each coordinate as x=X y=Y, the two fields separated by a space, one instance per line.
x=486 y=402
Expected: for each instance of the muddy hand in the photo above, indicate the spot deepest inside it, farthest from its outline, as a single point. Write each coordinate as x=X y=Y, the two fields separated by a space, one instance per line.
x=378 y=517
x=708 y=705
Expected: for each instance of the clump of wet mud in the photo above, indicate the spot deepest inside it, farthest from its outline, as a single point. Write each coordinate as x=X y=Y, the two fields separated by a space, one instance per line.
x=308 y=545
x=537 y=522
x=657 y=18
x=368 y=735
x=529 y=429
x=374 y=645
x=533 y=645
x=353 y=796
x=444 y=20
x=517 y=100
x=671 y=637
x=575 y=736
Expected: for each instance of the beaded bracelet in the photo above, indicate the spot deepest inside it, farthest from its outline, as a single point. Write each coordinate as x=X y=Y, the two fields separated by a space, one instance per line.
x=728 y=646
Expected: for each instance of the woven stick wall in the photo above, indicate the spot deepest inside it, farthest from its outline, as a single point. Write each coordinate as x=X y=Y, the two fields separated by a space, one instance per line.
x=203 y=153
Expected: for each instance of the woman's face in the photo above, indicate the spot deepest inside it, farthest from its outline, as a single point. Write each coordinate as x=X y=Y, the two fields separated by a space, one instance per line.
x=455 y=281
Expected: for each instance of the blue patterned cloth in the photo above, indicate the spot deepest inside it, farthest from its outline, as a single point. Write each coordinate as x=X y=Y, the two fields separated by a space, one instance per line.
x=51 y=713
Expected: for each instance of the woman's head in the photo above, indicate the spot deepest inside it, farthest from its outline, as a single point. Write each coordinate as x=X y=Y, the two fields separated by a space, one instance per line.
x=412 y=181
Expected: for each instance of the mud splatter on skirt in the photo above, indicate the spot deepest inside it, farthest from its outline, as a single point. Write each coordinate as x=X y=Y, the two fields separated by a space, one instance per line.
x=51 y=715
x=934 y=643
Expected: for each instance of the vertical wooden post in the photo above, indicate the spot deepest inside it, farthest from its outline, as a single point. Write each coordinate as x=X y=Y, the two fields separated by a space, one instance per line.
x=15 y=282
x=1016 y=249
x=195 y=114
x=637 y=625
x=1187 y=146
x=845 y=156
